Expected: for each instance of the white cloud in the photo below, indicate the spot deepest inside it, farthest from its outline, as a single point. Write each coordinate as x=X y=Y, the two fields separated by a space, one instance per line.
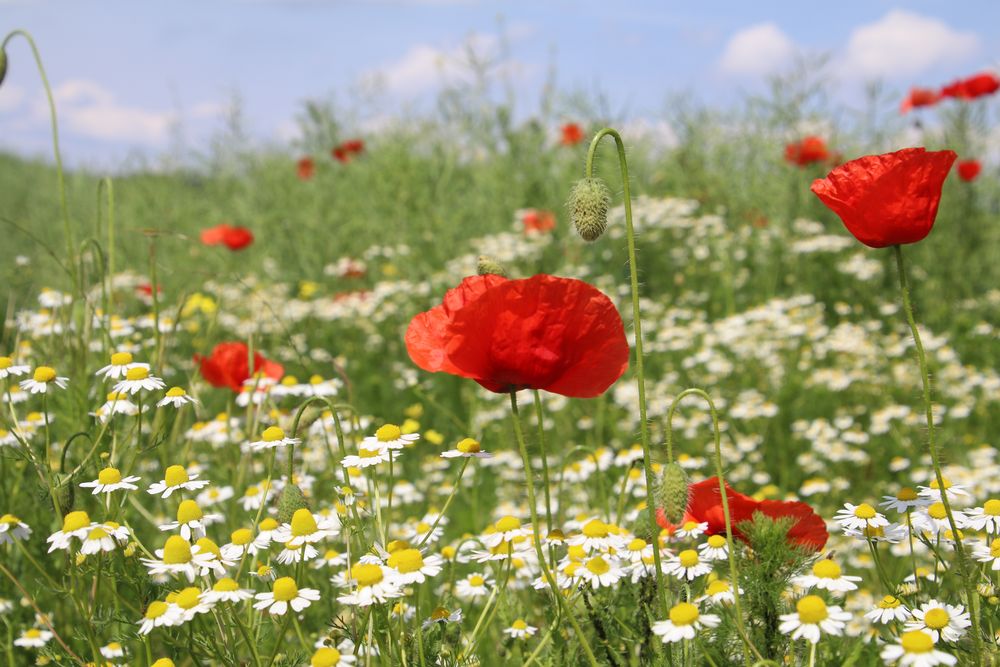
x=11 y=96
x=757 y=50
x=903 y=44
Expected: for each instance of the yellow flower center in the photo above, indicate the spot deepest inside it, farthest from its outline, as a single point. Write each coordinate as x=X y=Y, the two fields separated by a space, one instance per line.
x=5 y=363
x=163 y=662
x=368 y=453
x=176 y=551
x=285 y=589
x=174 y=392
x=440 y=614
x=864 y=511
x=251 y=491
x=226 y=585
x=717 y=587
x=366 y=574
x=688 y=558
x=156 y=609
x=9 y=519
x=208 y=546
x=468 y=446
x=519 y=624
x=44 y=374
x=916 y=641
x=716 y=541
x=507 y=523
x=241 y=536
x=907 y=494
x=826 y=569
x=189 y=511
x=325 y=657
x=388 y=433
x=268 y=524
x=637 y=544
x=889 y=602
x=595 y=528
x=937 y=511
x=570 y=569
x=936 y=618
x=992 y=507
x=303 y=523
x=811 y=609
x=330 y=554
x=406 y=560
x=175 y=476
x=995 y=548
x=684 y=613
x=33 y=633
x=476 y=580
x=109 y=476
x=689 y=525
x=272 y=434
x=947 y=483
x=598 y=565
x=449 y=552
x=113 y=646
x=137 y=373
x=75 y=521
x=264 y=570
x=121 y=358
x=315 y=379
x=397 y=545
x=289 y=381
x=97 y=534
x=188 y=598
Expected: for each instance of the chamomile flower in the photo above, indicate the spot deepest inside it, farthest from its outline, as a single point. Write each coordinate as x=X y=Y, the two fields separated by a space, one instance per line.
x=412 y=568
x=473 y=586
x=174 y=478
x=116 y=404
x=176 y=397
x=121 y=363
x=984 y=553
x=215 y=495
x=113 y=650
x=159 y=614
x=227 y=590
x=191 y=601
x=191 y=520
x=253 y=497
x=933 y=492
x=940 y=620
x=443 y=616
x=905 y=500
x=635 y=551
x=110 y=480
x=33 y=638
x=934 y=518
x=894 y=533
x=916 y=649
x=42 y=379
x=686 y=565
x=985 y=518
x=330 y=558
x=719 y=592
x=520 y=630
x=9 y=369
x=859 y=517
x=75 y=524
x=138 y=379
x=715 y=548
x=368 y=457
x=889 y=609
x=372 y=583
x=390 y=436
x=265 y=532
x=98 y=539
x=285 y=593
x=328 y=656
x=241 y=542
x=826 y=575
x=601 y=571
x=177 y=557
x=595 y=535
x=507 y=529
x=813 y=618
x=466 y=448
x=305 y=529
x=12 y=528
x=692 y=529
x=290 y=554
x=271 y=438
x=215 y=562
x=684 y=622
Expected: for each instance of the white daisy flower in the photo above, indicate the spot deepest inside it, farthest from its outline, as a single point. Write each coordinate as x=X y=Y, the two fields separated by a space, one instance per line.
x=374 y=584
x=75 y=524
x=330 y=558
x=285 y=593
x=859 y=517
x=159 y=614
x=719 y=592
x=176 y=477
x=916 y=649
x=905 y=500
x=894 y=533
x=177 y=557
x=42 y=379
x=985 y=518
x=692 y=529
x=271 y=438
x=176 y=397
x=116 y=404
x=265 y=532
x=390 y=436
x=112 y=650
x=138 y=379
x=826 y=575
x=191 y=520
x=686 y=565
x=328 y=656
x=889 y=609
x=33 y=638
x=98 y=539
x=714 y=548
x=214 y=495
x=984 y=553
x=191 y=601
x=466 y=448
x=241 y=542
x=110 y=480
x=9 y=369
x=443 y=616
x=684 y=623
x=813 y=618
x=595 y=535
x=601 y=571
x=368 y=457
x=473 y=586
x=940 y=620
x=303 y=552
x=253 y=497
x=305 y=529
x=934 y=518
x=12 y=528
x=954 y=491
x=520 y=630
x=506 y=529
x=121 y=363
x=412 y=568
x=227 y=590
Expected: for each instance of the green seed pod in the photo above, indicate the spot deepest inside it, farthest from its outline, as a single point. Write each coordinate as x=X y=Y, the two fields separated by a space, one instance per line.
x=644 y=528
x=486 y=265
x=292 y=499
x=3 y=65
x=588 y=205
x=672 y=495
x=65 y=493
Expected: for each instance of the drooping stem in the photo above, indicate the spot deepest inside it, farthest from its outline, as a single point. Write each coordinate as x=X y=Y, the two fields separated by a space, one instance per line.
x=972 y=596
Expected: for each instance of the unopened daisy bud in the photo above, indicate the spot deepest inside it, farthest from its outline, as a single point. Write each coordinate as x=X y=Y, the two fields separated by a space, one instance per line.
x=486 y=265
x=292 y=499
x=672 y=495
x=588 y=205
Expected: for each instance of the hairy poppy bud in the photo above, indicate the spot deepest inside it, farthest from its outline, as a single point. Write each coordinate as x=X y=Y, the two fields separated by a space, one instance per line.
x=292 y=499
x=3 y=65
x=644 y=528
x=588 y=207
x=64 y=491
x=672 y=495
x=486 y=264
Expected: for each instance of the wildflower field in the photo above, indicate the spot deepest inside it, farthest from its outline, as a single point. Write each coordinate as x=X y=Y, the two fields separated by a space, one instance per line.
x=472 y=391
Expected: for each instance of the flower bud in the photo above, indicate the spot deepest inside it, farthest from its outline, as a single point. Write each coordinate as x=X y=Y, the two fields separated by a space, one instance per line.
x=588 y=205
x=292 y=499
x=3 y=65
x=486 y=265
x=64 y=492
x=672 y=495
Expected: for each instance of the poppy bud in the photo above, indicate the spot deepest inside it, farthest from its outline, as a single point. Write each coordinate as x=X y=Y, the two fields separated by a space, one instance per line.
x=486 y=265
x=64 y=493
x=588 y=205
x=644 y=528
x=292 y=499
x=3 y=65
x=672 y=495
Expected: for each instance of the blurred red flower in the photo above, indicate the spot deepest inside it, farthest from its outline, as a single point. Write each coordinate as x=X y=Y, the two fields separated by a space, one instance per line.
x=979 y=85
x=306 y=168
x=809 y=150
x=229 y=366
x=808 y=528
x=234 y=238
x=888 y=199
x=919 y=97
x=347 y=150
x=556 y=334
x=538 y=221
x=572 y=134
x=968 y=170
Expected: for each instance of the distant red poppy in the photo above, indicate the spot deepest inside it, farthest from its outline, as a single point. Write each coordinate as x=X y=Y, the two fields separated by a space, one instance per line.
x=347 y=150
x=809 y=150
x=919 y=97
x=556 y=334
x=979 y=85
x=538 y=221
x=807 y=530
x=146 y=290
x=234 y=238
x=572 y=134
x=306 y=168
x=968 y=170
x=229 y=366
x=888 y=199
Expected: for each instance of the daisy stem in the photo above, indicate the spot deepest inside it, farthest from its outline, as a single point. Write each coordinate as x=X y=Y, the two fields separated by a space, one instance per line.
x=281 y=636
x=447 y=503
x=812 y=654
x=647 y=458
x=536 y=539
x=246 y=635
x=298 y=632
x=963 y=565
x=418 y=624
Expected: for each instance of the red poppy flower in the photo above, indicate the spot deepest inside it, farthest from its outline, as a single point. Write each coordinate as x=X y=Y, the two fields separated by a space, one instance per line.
x=807 y=530
x=556 y=334
x=538 y=221
x=572 y=134
x=889 y=199
x=234 y=238
x=341 y=155
x=306 y=168
x=353 y=146
x=968 y=170
x=705 y=505
x=229 y=366
x=979 y=85
x=808 y=151
x=919 y=97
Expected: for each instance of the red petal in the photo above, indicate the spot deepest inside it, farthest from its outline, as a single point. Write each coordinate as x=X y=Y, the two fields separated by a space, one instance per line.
x=808 y=529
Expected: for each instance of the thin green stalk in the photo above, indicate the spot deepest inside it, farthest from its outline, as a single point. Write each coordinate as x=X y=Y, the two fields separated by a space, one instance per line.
x=545 y=462
x=447 y=503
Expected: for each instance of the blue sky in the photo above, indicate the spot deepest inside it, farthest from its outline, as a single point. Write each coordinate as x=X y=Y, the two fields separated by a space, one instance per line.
x=125 y=73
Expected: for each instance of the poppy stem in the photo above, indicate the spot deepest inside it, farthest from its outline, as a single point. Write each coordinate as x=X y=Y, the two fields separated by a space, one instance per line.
x=536 y=539
x=971 y=594
x=647 y=459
